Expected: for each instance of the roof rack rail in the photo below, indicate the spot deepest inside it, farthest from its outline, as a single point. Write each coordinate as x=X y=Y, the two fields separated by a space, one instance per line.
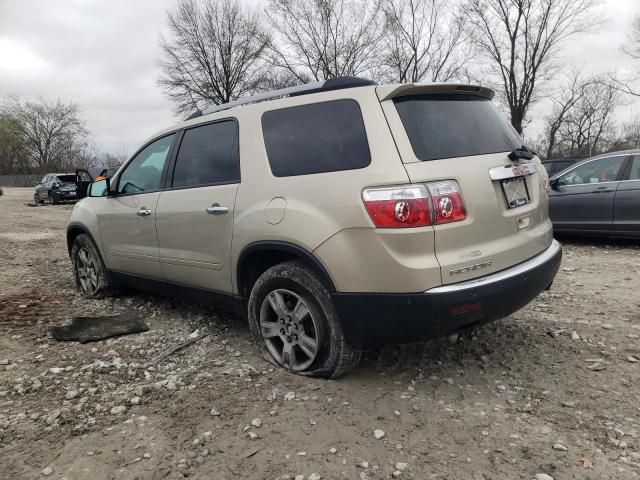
x=336 y=83
x=195 y=114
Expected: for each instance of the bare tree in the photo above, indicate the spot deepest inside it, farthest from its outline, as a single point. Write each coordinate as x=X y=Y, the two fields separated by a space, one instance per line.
x=520 y=40
x=630 y=133
x=49 y=131
x=627 y=82
x=424 y=40
x=13 y=154
x=322 y=39
x=582 y=123
x=214 y=54
x=632 y=48
x=570 y=94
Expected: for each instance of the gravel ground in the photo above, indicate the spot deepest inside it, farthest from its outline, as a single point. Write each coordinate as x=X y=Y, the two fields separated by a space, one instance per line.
x=552 y=391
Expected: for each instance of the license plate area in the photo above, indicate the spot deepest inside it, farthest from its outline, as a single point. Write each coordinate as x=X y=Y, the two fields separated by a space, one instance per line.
x=515 y=191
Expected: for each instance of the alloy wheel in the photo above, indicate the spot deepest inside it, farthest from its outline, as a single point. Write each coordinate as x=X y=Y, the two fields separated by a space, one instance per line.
x=289 y=329
x=87 y=271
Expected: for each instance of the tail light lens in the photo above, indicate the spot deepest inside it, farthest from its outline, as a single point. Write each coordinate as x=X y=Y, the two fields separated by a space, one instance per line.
x=545 y=180
x=415 y=205
x=448 y=202
x=399 y=206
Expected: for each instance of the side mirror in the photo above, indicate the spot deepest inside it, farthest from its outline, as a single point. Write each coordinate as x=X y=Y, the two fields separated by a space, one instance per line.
x=554 y=183
x=101 y=188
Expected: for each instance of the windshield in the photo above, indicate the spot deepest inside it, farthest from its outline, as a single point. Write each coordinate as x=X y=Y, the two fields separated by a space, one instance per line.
x=454 y=125
x=66 y=178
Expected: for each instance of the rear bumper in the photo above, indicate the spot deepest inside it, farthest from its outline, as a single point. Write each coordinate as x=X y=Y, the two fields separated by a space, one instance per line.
x=374 y=319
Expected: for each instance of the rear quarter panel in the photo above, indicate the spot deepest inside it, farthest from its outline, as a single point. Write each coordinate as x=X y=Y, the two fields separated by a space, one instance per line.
x=318 y=206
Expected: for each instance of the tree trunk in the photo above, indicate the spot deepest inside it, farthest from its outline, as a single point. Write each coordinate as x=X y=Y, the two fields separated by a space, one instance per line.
x=516 y=119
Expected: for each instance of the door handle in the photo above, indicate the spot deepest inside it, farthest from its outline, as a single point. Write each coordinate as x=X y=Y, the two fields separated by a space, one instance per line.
x=144 y=212
x=216 y=209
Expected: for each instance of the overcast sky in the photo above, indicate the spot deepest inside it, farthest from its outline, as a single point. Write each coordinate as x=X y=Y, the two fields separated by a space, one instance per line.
x=102 y=55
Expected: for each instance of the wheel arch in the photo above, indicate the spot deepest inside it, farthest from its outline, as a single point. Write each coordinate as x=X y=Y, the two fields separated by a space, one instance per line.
x=73 y=230
x=257 y=257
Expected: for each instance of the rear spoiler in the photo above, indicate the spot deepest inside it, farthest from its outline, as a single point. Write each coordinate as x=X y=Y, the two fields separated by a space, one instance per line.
x=386 y=92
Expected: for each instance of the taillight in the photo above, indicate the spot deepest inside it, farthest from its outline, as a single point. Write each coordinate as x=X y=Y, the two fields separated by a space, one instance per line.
x=545 y=180
x=448 y=203
x=398 y=206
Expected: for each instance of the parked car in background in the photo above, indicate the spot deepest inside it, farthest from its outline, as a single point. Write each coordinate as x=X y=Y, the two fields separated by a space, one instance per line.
x=55 y=188
x=337 y=216
x=556 y=165
x=599 y=196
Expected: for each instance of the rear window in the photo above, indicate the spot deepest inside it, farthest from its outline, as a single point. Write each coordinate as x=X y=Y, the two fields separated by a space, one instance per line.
x=455 y=125
x=315 y=138
x=66 y=178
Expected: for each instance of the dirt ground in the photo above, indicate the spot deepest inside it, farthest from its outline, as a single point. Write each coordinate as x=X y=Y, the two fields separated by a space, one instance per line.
x=553 y=389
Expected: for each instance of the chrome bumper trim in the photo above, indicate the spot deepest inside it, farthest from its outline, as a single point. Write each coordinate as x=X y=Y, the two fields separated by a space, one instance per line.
x=514 y=271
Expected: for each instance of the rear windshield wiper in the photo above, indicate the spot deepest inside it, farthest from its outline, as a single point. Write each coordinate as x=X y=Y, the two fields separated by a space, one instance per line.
x=521 y=152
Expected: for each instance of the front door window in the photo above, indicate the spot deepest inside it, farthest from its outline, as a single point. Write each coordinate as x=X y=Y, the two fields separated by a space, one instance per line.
x=144 y=172
x=596 y=171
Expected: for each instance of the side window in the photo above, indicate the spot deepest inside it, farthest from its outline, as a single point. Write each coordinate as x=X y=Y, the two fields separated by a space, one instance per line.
x=315 y=138
x=634 y=173
x=208 y=155
x=144 y=172
x=44 y=179
x=597 y=171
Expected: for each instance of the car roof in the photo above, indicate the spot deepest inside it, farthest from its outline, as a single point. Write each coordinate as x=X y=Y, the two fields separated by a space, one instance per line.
x=272 y=99
x=633 y=151
x=564 y=159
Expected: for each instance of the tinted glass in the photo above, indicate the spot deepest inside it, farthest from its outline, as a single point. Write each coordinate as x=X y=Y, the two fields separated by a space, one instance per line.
x=557 y=166
x=634 y=174
x=144 y=172
x=445 y=126
x=208 y=155
x=597 y=171
x=66 y=179
x=315 y=138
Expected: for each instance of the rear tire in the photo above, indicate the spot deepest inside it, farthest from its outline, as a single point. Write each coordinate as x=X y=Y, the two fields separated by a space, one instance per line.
x=36 y=199
x=294 y=325
x=91 y=276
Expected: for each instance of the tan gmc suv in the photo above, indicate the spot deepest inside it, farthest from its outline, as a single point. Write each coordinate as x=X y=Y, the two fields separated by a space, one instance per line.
x=336 y=216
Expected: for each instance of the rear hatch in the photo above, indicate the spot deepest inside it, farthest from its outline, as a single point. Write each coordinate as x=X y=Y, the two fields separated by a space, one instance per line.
x=448 y=132
x=66 y=183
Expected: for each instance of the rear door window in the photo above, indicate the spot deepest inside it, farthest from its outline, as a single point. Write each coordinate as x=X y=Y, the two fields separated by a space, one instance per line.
x=454 y=125
x=208 y=155
x=316 y=138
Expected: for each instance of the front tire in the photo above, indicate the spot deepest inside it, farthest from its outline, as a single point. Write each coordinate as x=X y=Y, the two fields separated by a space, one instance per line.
x=36 y=199
x=91 y=276
x=53 y=199
x=294 y=325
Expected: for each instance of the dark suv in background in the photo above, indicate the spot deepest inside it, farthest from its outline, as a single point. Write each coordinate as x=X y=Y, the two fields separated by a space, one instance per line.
x=56 y=188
